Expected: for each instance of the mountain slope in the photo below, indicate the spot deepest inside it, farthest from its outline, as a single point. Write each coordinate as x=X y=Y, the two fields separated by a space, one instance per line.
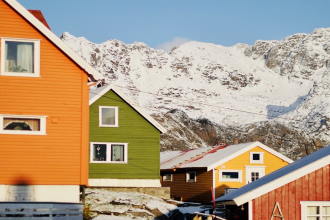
x=271 y=83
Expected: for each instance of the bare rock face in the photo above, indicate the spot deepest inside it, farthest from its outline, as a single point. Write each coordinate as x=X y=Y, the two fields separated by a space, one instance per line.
x=186 y=133
x=296 y=56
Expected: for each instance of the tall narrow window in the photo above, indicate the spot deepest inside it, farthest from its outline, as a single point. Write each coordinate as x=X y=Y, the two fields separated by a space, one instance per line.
x=21 y=57
x=100 y=152
x=117 y=152
x=108 y=116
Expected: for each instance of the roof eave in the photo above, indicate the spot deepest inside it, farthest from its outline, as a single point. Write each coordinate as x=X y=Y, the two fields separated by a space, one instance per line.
x=92 y=73
x=278 y=182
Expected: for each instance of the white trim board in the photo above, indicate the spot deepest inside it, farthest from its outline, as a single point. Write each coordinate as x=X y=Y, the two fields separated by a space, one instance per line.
x=53 y=38
x=124 y=182
x=40 y=193
x=245 y=149
x=129 y=102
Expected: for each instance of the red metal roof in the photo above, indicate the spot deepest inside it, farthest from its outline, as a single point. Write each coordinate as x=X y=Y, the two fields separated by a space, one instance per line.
x=38 y=14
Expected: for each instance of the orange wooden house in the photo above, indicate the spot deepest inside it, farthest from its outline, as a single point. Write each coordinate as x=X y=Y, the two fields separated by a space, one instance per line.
x=44 y=111
x=299 y=191
x=202 y=174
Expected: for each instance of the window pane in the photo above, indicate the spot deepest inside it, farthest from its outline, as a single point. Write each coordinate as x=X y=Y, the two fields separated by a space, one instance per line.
x=167 y=177
x=100 y=152
x=19 y=57
x=230 y=175
x=313 y=210
x=25 y=124
x=254 y=176
x=117 y=152
x=256 y=156
x=326 y=210
x=326 y=218
x=191 y=177
x=313 y=218
x=108 y=116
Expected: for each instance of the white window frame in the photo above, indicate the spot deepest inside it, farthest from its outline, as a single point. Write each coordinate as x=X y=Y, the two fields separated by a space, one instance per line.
x=239 y=179
x=36 y=61
x=165 y=180
x=116 y=116
x=305 y=204
x=42 y=125
x=188 y=174
x=108 y=144
x=261 y=155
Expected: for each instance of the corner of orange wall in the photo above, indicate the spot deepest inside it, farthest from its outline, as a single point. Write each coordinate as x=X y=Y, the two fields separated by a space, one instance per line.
x=84 y=131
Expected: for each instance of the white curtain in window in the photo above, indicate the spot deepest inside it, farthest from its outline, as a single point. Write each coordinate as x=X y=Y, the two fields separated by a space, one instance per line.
x=25 y=57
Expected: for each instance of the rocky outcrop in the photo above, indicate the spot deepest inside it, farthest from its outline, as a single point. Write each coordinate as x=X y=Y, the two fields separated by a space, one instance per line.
x=273 y=91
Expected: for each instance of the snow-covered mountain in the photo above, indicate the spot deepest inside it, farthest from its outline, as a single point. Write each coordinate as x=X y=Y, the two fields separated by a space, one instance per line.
x=242 y=88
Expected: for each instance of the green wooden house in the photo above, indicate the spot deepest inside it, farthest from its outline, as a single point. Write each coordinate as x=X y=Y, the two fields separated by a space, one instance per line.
x=124 y=142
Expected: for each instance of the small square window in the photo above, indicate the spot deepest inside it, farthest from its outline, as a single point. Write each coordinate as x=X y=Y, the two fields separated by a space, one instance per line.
x=21 y=57
x=167 y=177
x=14 y=124
x=108 y=153
x=191 y=177
x=108 y=116
x=256 y=157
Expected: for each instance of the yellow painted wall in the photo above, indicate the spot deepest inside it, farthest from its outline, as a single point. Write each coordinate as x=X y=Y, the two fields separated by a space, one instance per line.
x=270 y=162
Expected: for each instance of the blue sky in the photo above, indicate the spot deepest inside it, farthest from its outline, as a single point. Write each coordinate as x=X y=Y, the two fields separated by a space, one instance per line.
x=156 y=22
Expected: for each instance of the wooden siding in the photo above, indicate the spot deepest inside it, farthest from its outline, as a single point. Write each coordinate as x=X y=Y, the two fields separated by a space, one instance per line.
x=270 y=162
x=143 y=141
x=61 y=94
x=312 y=187
x=199 y=191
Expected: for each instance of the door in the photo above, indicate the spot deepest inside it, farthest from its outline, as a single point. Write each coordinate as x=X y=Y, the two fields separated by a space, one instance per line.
x=254 y=172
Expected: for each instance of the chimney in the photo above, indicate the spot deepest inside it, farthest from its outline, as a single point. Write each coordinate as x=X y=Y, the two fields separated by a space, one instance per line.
x=38 y=15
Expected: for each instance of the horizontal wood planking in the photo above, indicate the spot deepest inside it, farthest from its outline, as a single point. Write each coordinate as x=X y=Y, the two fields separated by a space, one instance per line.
x=311 y=187
x=143 y=141
x=199 y=191
x=61 y=94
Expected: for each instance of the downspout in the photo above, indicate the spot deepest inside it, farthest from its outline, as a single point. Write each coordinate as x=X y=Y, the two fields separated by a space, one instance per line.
x=213 y=188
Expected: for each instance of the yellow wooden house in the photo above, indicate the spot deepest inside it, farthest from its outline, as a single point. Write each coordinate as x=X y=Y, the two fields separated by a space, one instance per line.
x=205 y=173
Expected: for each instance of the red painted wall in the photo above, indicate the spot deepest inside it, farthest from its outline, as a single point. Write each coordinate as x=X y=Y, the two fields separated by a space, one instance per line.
x=312 y=187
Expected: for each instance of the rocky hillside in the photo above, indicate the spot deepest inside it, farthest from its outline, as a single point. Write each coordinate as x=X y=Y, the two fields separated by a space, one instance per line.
x=272 y=91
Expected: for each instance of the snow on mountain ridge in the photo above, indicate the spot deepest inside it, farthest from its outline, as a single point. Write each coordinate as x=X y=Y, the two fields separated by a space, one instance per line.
x=273 y=80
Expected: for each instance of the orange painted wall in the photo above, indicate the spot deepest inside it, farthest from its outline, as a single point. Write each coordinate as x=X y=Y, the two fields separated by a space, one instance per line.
x=271 y=163
x=61 y=94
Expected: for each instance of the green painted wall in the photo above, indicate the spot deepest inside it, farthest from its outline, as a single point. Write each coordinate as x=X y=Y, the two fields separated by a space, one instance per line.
x=142 y=137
